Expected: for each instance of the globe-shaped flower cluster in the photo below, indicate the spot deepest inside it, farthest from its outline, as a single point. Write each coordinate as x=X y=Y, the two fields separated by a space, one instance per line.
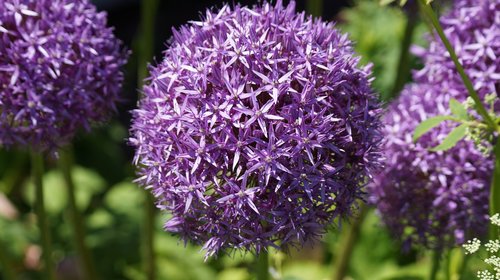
x=257 y=129
x=437 y=199
x=59 y=71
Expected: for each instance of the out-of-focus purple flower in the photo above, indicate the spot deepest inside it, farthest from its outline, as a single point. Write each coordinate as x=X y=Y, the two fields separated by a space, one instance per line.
x=473 y=28
x=59 y=71
x=438 y=199
x=430 y=198
x=257 y=129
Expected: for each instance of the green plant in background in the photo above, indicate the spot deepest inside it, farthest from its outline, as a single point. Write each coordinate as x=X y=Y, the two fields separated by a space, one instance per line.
x=379 y=34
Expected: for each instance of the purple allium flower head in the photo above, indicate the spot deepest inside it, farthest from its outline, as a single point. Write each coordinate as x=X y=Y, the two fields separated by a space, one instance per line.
x=437 y=199
x=59 y=70
x=257 y=129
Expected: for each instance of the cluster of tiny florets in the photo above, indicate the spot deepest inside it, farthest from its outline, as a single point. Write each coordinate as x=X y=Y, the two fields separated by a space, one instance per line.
x=441 y=198
x=472 y=246
x=495 y=219
x=492 y=247
x=257 y=129
x=485 y=275
x=59 y=71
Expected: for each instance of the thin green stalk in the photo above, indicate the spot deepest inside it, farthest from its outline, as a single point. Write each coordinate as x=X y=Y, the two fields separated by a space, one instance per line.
x=315 y=7
x=146 y=37
x=404 y=67
x=348 y=241
x=15 y=173
x=148 y=236
x=436 y=259
x=145 y=54
x=463 y=268
x=429 y=13
x=262 y=265
x=86 y=263
x=448 y=271
x=495 y=190
x=6 y=267
x=37 y=170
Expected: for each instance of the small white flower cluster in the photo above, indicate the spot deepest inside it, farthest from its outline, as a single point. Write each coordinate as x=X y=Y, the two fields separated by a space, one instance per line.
x=472 y=246
x=492 y=247
x=485 y=275
x=495 y=262
x=495 y=219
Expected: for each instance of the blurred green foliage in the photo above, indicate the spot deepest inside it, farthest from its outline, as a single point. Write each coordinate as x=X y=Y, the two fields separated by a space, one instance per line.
x=377 y=32
x=114 y=217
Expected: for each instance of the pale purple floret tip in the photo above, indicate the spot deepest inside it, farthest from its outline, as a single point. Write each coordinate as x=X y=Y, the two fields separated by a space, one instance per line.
x=439 y=199
x=257 y=129
x=59 y=71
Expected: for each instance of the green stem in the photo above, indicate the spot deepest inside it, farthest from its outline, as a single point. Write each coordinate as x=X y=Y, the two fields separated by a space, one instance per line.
x=146 y=37
x=6 y=266
x=348 y=241
x=148 y=236
x=436 y=258
x=315 y=7
x=448 y=271
x=429 y=13
x=88 y=268
x=495 y=190
x=37 y=170
x=463 y=268
x=262 y=265
x=15 y=173
x=145 y=54
x=404 y=67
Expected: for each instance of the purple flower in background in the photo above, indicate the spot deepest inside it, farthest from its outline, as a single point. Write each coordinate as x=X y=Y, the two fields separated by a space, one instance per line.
x=430 y=198
x=438 y=199
x=59 y=71
x=473 y=28
x=257 y=129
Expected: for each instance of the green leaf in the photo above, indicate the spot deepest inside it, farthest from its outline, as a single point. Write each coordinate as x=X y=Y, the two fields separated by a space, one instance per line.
x=100 y=219
x=87 y=182
x=304 y=270
x=385 y=2
x=451 y=140
x=427 y=125
x=125 y=198
x=458 y=109
x=234 y=274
